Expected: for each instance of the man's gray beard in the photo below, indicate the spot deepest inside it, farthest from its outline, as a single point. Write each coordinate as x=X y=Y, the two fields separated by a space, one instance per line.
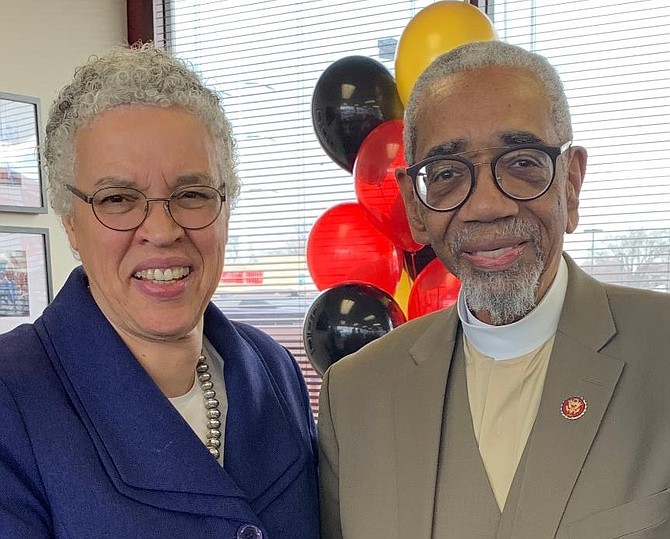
x=509 y=294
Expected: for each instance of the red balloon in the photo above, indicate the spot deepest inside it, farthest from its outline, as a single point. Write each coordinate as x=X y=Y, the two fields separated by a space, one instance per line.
x=434 y=288
x=344 y=247
x=374 y=178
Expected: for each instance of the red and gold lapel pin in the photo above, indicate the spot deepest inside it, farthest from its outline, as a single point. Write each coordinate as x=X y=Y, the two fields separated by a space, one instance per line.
x=573 y=407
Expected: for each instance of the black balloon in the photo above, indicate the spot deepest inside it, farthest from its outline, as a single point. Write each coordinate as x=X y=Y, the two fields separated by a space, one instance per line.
x=416 y=261
x=344 y=318
x=353 y=96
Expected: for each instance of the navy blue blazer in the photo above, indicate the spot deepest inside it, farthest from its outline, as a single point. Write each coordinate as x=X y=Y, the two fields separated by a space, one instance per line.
x=90 y=447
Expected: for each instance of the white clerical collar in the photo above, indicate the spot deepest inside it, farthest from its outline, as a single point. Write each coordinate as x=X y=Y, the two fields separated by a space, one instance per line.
x=523 y=336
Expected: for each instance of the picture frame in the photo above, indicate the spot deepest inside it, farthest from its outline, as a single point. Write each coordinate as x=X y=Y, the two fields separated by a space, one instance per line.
x=22 y=186
x=25 y=275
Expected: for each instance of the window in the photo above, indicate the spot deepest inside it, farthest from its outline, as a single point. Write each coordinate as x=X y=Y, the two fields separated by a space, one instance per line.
x=614 y=59
x=265 y=57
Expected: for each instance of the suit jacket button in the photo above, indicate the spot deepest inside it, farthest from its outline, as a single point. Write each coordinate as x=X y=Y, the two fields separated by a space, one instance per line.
x=249 y=531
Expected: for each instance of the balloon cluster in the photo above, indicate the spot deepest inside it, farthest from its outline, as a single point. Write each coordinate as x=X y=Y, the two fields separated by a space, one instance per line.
x=361 y=255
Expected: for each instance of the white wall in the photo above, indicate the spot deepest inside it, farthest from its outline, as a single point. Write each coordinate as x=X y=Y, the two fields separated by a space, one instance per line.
x=41 y=44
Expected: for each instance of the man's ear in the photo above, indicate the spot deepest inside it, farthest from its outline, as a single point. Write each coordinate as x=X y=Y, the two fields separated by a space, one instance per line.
x=414 y=217
x=573 y=185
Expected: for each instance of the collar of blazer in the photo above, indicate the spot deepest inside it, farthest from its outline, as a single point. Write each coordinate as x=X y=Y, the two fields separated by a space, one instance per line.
x=148 y=451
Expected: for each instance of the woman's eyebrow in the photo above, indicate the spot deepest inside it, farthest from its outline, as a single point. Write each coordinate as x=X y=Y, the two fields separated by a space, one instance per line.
x=196 y=178
x=114 y=181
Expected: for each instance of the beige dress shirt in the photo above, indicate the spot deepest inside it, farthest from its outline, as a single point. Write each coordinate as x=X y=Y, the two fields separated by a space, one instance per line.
x=504 y=398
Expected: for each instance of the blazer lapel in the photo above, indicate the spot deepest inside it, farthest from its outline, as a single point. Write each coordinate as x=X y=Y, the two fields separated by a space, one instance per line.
x=418 y=403
x=264 y=450
x=558 y=446
x=148 y=451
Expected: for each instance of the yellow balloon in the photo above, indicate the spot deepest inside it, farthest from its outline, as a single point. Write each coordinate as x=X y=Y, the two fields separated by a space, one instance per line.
x=402 y=291
x=434 y=30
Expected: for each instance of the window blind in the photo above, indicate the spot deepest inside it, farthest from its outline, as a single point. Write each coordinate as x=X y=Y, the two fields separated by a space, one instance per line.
x=265 y=57
x=614 y=59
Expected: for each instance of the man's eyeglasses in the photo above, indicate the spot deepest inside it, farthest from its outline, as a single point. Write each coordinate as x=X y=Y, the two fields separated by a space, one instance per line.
x=523 y=172
x=123 y=208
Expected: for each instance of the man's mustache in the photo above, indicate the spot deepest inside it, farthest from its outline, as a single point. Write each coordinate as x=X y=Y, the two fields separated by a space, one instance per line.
x=511 y=227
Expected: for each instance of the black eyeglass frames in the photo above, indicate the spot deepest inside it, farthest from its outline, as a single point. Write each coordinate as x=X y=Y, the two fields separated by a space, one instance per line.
x=522 y=172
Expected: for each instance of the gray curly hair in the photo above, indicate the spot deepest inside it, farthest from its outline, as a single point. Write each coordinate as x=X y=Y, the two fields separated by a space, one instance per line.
x=482 y=54
x=124 y=76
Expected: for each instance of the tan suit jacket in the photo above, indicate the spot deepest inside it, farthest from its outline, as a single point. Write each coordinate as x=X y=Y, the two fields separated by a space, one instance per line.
x=603 y=476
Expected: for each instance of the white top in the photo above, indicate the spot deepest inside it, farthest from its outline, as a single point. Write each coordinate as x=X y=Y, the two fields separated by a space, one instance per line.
x=191 y=405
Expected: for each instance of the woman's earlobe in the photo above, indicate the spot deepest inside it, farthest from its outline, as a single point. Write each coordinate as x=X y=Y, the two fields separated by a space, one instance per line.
x=68 y=225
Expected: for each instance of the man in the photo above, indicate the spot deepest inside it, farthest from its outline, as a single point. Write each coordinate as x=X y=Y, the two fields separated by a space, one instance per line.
x=537 y=406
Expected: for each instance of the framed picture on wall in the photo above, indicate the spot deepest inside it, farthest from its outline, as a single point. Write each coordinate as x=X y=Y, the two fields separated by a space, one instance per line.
x=21 y=185
x=25 y=275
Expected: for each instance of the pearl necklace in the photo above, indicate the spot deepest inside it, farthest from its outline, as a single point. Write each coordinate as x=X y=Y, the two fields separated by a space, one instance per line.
x=212 y=412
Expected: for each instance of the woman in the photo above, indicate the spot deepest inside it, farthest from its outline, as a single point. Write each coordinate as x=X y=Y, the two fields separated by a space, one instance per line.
x=132 y=407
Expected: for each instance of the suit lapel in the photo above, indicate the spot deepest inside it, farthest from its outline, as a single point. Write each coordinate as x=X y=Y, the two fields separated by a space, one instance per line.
x=418 y=403
x=557 y=447
x=148 y=451
x=462 y=477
